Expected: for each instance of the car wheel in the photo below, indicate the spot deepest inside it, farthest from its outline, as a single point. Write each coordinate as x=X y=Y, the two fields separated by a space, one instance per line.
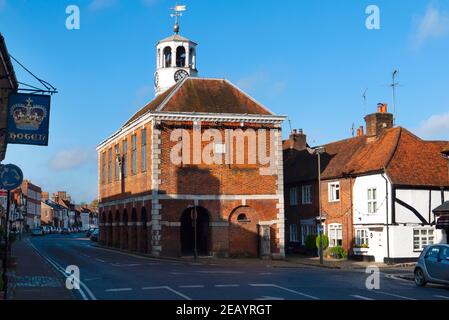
x=420 y=279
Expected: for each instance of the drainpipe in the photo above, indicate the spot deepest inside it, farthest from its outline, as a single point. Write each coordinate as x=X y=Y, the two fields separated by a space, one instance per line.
x=388 y=224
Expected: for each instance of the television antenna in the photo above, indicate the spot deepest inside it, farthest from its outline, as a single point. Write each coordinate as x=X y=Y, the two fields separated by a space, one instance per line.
x=394 y=84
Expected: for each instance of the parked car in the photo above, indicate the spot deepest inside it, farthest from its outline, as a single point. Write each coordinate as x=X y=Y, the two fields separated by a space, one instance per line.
x=90 y=231
x=37 y=231
x=58 y=230
x=65 y=231
x=45 y=230
x=433 y=265
x=94 y=235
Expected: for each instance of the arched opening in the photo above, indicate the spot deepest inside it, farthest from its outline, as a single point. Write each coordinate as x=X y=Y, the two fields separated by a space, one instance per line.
x=188 y=231
x=167 y=57
x=243 y=232
x=124 y=231
x=143 y=231
x=181 y=57
x=116 y=230
x=132 y=231
x=109 y=240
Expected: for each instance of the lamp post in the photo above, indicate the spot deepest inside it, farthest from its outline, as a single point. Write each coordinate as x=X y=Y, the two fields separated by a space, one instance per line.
x=318 y=151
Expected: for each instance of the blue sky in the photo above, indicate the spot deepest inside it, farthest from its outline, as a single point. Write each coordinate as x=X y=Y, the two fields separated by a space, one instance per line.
x=308 y=59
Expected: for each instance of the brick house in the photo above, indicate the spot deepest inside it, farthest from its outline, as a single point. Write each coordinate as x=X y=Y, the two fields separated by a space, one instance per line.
x=155 y=186
x=378 y=191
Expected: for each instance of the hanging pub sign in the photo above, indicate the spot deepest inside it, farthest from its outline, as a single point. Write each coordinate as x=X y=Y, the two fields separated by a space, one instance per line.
x=28 y=119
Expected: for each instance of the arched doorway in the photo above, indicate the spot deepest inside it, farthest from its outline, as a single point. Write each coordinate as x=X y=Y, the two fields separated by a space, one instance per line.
x=243 y=232
x=188 y=231
x=132 y=231
x=124 y=231
x=143 y=231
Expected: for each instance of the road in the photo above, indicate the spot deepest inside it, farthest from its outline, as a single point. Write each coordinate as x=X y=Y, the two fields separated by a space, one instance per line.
x=111 y=275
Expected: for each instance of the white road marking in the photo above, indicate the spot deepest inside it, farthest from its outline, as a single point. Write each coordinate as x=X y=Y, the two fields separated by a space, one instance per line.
x=125 y=265
x=101 y=260
x=285 y=289
x=441 y=297
x=85 y=255
x=92 y=279
x=227 y=285
x=118 y=290
x=361 y=297
x=177 y=273
x=393 y=295
x=169 y=289
x=191 y=286
x=265 y=273
x=85 y=295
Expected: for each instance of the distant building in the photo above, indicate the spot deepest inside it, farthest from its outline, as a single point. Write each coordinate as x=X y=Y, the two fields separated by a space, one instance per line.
x=378 y=190
x=30 y=196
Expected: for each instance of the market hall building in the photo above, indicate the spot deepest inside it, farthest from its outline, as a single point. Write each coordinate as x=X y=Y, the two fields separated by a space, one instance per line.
x=152 y=203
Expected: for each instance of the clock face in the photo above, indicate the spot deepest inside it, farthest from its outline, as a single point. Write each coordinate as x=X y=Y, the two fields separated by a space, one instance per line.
x=180 y=74
x=156 y=79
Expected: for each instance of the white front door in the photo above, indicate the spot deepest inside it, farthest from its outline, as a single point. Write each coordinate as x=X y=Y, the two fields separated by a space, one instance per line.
x=376 y=244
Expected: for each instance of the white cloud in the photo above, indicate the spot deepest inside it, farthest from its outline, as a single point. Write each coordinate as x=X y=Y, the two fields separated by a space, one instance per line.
x=71 y=159
x=96 y=5
x=433 y=24
x=435 y=127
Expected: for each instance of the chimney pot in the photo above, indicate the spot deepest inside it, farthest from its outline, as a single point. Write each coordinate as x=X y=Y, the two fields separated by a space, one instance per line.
x=294 y=131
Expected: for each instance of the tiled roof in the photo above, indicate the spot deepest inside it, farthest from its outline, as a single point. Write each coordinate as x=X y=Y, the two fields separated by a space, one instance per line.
x=203 y=96
x=407 y=159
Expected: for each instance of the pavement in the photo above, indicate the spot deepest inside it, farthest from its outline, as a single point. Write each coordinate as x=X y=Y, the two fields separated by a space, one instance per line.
x=34 y=278
x=112 y=275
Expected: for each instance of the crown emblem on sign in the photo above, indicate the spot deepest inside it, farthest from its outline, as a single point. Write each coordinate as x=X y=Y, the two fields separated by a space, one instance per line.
x=28 y=116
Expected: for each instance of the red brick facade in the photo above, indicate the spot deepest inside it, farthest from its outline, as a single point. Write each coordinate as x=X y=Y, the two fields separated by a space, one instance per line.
x=151 y=210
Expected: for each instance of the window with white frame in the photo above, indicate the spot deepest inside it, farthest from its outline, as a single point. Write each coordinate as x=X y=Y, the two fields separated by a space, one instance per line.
x=372 y=200
x=422 y=237
x=334 y=192
x=306 y=194
x=294 y=196
x=307 y=230
x=335 y=235
x=361 y=237
x=293 y=233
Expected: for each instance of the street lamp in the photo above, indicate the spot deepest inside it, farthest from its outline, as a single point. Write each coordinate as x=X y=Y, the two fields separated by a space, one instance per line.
x=318 y=151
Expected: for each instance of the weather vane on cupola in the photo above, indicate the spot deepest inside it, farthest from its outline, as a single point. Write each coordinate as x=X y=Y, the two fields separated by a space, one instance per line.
x=177 y=12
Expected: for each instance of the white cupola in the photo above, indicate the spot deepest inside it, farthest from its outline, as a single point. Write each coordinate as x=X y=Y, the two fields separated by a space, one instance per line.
x=176 y=60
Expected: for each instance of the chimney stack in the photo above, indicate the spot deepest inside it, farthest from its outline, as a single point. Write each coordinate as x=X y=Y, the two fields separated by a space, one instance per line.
x=377 y=122
x=298 y=140
x=360 y=131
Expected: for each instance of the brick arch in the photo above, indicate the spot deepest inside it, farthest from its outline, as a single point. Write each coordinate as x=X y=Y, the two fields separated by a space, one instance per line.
x=243 y=232
x=203 y=235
